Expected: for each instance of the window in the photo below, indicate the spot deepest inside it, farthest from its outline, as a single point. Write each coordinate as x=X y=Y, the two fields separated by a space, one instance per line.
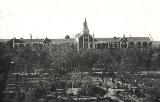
x=118 y=44
x=86 y=45
x=106 y=45
x=115 y=45
x=131 y=44
x=98 y=46
x=124 y=45
x=27 y=45
x=144 y=44
x=16 y=46
x=103 y=45
x=34 y=44
x=85 y=36
x=138 y=44
x=85 y=40
x=110 y=45
x=40 y=46
x=91 y=45
x=21 y=46
x=150 y=45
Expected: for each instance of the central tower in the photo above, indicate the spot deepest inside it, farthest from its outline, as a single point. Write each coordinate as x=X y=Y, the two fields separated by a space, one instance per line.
x=85 y=27
x=86 y=41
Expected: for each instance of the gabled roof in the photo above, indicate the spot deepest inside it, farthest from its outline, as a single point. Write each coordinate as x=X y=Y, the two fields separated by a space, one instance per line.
x=32 y=40
x=138 y=39
x=4 y=40
x=56 y=41
x=129 y=39
x=18 y=41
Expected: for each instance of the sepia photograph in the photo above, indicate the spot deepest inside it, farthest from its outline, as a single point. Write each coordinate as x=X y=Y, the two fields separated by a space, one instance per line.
x=79 y=51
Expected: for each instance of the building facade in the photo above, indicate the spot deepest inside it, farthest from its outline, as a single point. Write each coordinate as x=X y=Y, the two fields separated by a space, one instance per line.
x=82 y=41
x=88 y=41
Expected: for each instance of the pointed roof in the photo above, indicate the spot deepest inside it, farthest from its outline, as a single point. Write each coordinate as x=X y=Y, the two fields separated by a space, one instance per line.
x=85 y=27
x=85 y=22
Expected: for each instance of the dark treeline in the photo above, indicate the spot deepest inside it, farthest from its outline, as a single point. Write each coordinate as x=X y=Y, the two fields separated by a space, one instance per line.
x=68 y=60
x=5 y=67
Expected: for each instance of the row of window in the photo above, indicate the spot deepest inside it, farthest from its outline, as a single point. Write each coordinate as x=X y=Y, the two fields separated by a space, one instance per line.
x=40 y=45
x=86 y=46
x=123 y=45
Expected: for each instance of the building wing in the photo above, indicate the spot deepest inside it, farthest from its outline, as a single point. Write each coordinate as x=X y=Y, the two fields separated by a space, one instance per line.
x=138 y=39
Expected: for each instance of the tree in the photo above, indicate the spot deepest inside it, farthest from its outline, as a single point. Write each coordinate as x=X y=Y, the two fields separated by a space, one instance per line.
x=5 y=66
x=147 y=59
x=41 y=90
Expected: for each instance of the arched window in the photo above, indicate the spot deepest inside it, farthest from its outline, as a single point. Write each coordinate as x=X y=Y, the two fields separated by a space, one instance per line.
x=103 y=45
x=106 y=45
x=115 y=45
x=110 y=45
x=98 y=46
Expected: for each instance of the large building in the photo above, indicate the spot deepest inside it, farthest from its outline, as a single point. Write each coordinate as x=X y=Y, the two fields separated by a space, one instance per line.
x=83 y=41
x=87 y=41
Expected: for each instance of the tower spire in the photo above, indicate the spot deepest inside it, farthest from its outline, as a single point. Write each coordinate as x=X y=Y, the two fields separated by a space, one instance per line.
x=85 y=20
x=85 y=27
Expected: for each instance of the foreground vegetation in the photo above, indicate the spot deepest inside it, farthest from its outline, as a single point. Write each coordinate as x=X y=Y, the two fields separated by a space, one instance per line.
x=126 y=63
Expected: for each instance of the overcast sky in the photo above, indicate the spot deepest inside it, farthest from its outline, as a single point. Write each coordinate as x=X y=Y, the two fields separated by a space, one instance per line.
x=57 y=18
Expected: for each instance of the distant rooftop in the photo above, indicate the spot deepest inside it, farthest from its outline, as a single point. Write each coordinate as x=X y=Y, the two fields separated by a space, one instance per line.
x=129 y=39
